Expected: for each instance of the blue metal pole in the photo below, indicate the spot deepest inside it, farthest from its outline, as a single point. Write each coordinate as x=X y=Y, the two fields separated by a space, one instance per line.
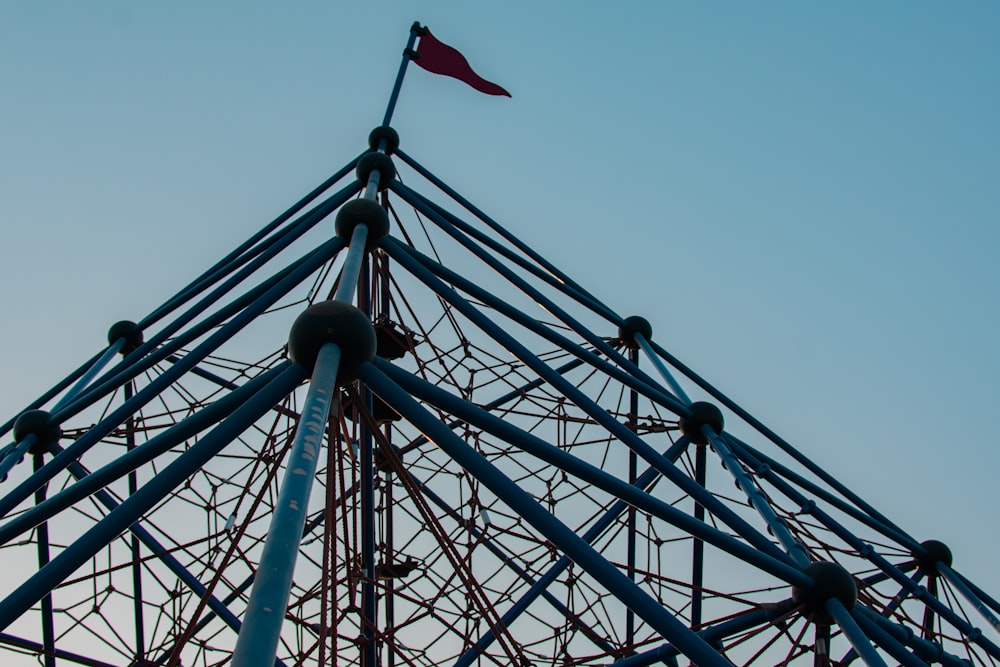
x=887 y=642
x=279 y=243
x=539 y=298
x=601 y=416
x=133 y=459
x=859 y=640
x=163 y=555
x=242 y=252
x=135 y=506
x=369 y=594
x=407 y=52
x=562 y=537
x=869 y=552
x=261 y=631
x=15 y=454
x=138 y=611
x=968 y=594
x=780 y=442
x=42 y=535
x=755 y=457
x=20 y=642
x=348 y=284
x=778 y=566
x=661 y=368
x=651 y=389
x=144 y=357
x=980 y=593
x=775 y=525
x=509 y=254
x=698 y=545
x=91 y=373
x=630 y=520
x=492 y=224
x=924 y=649
x=261 y=302
x=538 y=587
x=713 y=634
x=54 y=391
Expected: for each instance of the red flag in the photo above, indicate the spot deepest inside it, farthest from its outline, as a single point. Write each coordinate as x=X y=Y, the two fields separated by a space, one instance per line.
x=438 y=57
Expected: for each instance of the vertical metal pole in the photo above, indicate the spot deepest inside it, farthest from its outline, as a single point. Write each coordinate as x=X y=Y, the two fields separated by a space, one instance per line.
x=415 y=30
x=369 y=598
x=633 y=421
x=389 y=623
x=698 y=546
x=257 y=643
x=821 y=657
x=927 y=623
x=133 y=486
x=42 y=532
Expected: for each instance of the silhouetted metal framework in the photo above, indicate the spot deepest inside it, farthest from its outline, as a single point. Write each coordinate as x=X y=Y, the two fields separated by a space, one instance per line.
x=491 y=466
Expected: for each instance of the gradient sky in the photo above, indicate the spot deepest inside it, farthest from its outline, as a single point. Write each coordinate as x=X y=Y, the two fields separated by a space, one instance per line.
x=801 y=197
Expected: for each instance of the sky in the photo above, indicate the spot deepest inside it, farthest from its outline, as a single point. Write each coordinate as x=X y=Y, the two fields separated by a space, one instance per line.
x=801 y=197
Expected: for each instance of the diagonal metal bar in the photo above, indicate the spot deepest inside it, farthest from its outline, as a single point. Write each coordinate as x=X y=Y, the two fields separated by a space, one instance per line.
x=644 y=385
x=540 y=586
x=775 y=525
x=664 y=372
x=714 y=634
x=20 y=642
x=54 y=391
x=261 y=301
x=887 y=641
x=618 y=430
x=258 y=638
x=751 y=454
x=565 y=539
x=509 y=254
x=855 y=635
x=244 y=251
x=143 y=357
x=924 y=649
x=779 y=441
x=492 y=224
x=869 y=552
x=90 y=483
x=968 y=594
x=135 y=506
x=779 y=567
x=526 y=288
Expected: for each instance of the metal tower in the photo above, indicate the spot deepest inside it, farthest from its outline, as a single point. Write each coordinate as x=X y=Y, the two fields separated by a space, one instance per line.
x=385 y=431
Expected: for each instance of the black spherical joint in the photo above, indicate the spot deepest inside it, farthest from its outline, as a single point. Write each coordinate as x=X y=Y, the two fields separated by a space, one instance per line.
x=829 y=581
x=128 y=330
x=372 y=161
x=934 y=552
x=384 y=133
x=38 y=423
x=702 y=413
x=635 y=325
x=332 y=322
x=362 y=212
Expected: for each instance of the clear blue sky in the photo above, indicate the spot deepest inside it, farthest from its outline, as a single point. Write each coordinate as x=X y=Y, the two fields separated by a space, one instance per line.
x=801 y=197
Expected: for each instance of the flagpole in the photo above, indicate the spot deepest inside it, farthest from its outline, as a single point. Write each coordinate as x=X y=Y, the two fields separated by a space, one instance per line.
x=415 y=31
